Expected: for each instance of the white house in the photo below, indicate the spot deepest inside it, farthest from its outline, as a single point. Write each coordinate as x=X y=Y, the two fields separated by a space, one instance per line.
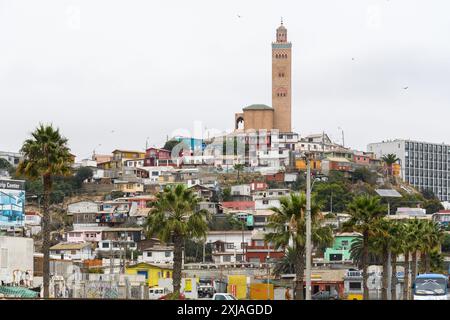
x=228 y=246
x=158 y=254
x=266 y=202
x=277 y=193
x=72 y=251
x=107 y=246
x=33 y=222
x=241 y=190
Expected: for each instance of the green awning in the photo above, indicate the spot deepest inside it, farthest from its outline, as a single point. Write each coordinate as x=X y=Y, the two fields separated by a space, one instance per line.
x=18 y=292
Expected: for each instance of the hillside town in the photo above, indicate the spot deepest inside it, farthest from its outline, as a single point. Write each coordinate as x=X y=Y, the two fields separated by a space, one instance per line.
x=259 y=213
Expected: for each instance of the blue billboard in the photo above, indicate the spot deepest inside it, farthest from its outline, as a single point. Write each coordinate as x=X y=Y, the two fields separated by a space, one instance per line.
x=12 y=203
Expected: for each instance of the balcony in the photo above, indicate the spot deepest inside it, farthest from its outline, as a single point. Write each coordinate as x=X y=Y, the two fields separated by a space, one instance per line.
x=111 y=218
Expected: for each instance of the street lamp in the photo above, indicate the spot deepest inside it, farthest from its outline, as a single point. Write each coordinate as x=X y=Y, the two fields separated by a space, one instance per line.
x=308 y=227
x=268 y=274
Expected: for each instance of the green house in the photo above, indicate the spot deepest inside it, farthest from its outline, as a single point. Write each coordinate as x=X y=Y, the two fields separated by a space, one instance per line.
x=341 y=247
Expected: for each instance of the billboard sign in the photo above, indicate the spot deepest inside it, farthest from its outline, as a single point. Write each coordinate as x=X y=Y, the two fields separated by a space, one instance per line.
x=12 y=203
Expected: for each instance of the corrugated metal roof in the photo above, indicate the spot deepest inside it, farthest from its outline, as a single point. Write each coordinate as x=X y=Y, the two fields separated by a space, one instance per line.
x=391 y=193
x=70 y=246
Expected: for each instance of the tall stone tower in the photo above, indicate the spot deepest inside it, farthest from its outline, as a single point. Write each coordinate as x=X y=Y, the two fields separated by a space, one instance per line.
x=281 y=81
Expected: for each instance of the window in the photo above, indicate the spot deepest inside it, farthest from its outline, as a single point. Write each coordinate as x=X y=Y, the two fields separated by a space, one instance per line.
x=355 y=285
x=230 y=245
x=149 y=253
x=105 y=245
x=265 y=202
x=167 y=254
x=226 y=258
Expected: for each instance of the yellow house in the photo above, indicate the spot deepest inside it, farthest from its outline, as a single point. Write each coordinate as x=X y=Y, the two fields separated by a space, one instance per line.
x=300 y=164
x=129 y=187
x=119 y=156
x=126 y=154
x=152 y=272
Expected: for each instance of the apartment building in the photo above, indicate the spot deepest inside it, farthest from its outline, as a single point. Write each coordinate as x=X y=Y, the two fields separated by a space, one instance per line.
x=423 y=165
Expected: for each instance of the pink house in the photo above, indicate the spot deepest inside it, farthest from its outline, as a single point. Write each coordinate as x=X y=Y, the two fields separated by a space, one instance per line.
x=141 y=201
x=362 y=158
x=258 y=186
x=78 y=236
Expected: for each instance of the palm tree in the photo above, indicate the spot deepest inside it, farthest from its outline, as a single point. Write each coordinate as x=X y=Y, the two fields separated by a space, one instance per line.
x=396 y=249
x=289 y=222
x=419 y=233
x=390 y=159
x=408 y=238
x=432 y=237
x=176 y=218
x=364 y=212
x=382 y=242
x=238 y=167
x=45 y=155
x=286 y=265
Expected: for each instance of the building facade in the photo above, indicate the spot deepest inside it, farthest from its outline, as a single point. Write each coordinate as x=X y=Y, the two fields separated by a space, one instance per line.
x=423 y=165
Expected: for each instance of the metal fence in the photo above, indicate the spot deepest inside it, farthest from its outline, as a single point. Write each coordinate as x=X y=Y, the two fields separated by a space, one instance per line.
x=99 y=286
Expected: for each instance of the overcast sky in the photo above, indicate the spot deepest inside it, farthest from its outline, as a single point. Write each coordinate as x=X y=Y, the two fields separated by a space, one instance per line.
x=118 y=72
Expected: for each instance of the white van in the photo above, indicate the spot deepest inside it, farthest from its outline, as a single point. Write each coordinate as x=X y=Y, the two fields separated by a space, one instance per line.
x=157 y=292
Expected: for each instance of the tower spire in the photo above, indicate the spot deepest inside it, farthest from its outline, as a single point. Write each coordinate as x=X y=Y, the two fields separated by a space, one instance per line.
x=281 y=20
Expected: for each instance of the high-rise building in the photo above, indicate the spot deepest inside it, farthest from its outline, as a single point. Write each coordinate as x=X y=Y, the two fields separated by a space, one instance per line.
x=423 y=165
x=264 y=117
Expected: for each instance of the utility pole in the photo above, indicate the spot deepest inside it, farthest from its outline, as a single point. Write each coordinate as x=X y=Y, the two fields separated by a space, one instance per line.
x=308 y=227
x=331 y=203
x=243 y=245
x=204 y=252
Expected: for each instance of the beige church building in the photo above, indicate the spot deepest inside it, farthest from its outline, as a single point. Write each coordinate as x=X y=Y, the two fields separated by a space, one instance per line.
x=260 y=116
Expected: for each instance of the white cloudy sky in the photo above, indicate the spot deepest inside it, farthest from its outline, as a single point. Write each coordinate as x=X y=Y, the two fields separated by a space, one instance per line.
x=118 y=72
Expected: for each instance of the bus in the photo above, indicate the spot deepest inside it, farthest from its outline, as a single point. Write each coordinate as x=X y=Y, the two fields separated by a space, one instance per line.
x=431 y=286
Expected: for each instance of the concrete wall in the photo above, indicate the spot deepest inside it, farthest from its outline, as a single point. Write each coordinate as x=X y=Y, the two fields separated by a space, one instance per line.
x=16 y=258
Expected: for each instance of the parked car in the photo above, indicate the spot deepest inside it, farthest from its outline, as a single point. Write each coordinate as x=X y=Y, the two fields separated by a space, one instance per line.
x=156 y=293
x=206 y=291
x=223 y=296
x=325 y=295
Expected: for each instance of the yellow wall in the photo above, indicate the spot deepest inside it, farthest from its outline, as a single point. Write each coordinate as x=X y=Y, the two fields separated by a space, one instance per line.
x=130 y=187
x=396 y=168
x=130 y=155
x=154 y=272
x=301 y=164
x=258 y=291
x=241 y=285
